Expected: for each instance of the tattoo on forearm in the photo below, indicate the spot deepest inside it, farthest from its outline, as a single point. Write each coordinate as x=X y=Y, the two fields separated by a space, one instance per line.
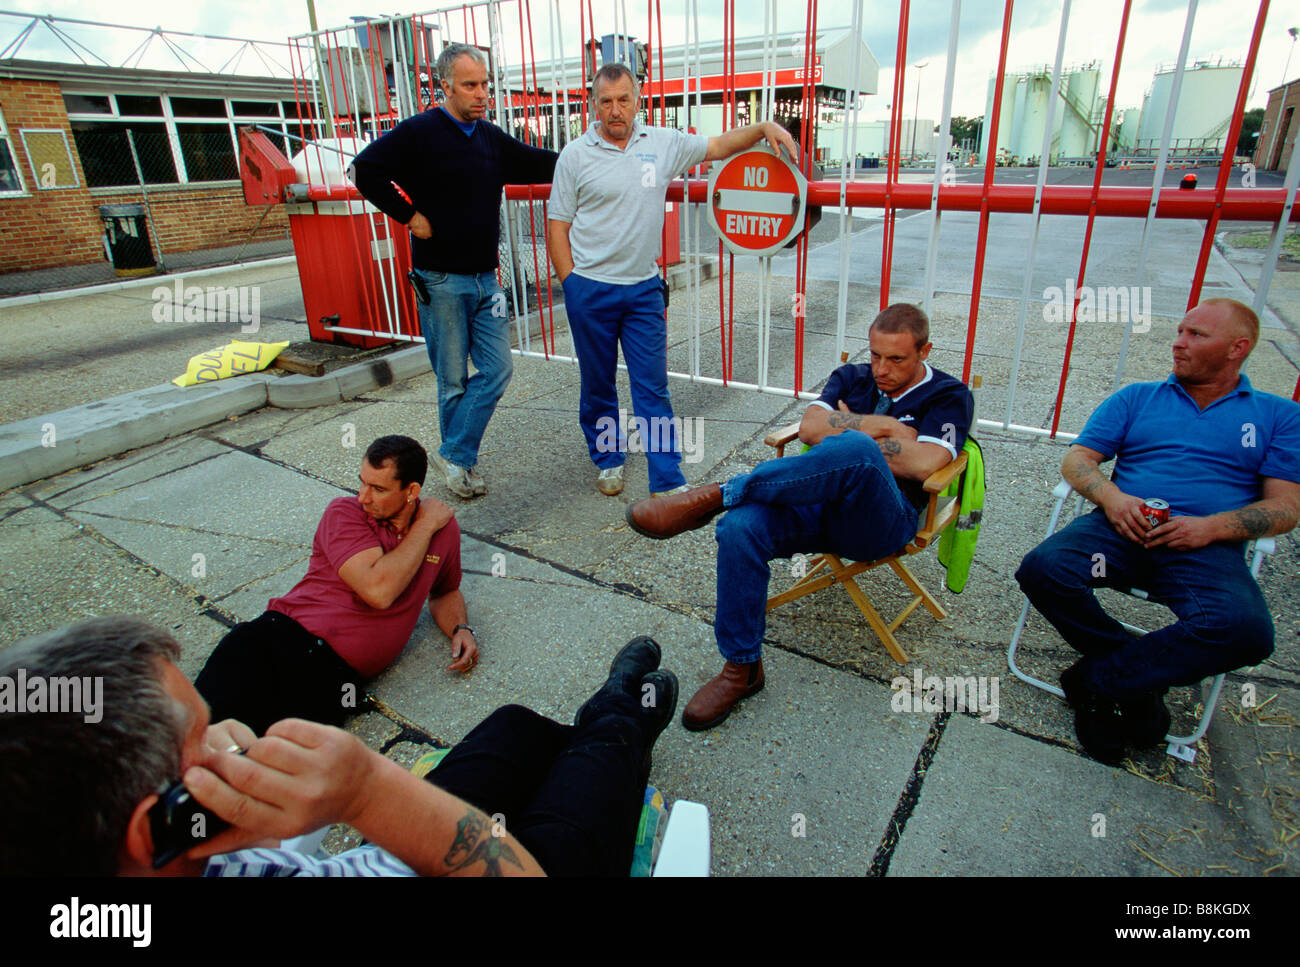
x=845 y=421
x=890 y=447
x=474 y=842
x=1255 y=522
x=1087 y=478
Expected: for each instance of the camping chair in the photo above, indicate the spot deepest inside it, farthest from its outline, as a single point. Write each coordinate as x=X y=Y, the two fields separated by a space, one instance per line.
x=1180 y=747
x=828 y=569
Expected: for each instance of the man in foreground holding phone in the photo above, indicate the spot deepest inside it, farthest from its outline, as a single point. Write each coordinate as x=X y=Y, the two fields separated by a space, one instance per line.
x=79 y=790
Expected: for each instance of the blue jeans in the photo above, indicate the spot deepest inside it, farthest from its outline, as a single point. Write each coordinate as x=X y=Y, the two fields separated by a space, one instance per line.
x=466 y=319
x=1223 y=621
x=601 y=316
x=840 y=497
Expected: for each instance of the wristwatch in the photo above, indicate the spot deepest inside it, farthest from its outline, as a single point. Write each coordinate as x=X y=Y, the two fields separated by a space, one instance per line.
x=467 y=628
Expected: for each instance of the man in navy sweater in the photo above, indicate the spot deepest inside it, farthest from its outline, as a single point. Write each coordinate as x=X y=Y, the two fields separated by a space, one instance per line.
x=451 y=163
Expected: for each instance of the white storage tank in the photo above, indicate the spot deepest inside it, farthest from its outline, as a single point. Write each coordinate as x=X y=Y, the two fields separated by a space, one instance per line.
x=1204 y=108
x=1026 y=98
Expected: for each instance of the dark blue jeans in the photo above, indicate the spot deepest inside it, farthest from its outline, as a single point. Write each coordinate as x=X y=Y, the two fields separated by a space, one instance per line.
x=1223 y=621
x=840 y=497
x=571 y=794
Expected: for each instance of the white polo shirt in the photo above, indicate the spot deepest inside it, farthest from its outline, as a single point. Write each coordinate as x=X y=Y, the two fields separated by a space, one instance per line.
x=614 y=198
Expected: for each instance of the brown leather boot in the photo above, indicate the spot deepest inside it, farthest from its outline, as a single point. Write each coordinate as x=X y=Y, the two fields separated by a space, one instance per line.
x=713 y=702
x=673 y=514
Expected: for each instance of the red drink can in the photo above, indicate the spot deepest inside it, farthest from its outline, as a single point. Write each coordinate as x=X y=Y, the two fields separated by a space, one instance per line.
x=1156 y=511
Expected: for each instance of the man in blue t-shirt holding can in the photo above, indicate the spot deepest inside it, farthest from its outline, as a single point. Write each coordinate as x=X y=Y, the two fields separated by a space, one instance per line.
x=1226 y=459
x=876 y=433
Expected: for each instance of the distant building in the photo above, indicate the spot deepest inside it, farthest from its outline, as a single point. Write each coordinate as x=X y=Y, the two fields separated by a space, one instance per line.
x=1278 y=132
x=64 y=152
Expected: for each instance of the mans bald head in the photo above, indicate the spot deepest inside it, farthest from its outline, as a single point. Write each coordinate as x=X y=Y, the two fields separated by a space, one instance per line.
x=1241 y=316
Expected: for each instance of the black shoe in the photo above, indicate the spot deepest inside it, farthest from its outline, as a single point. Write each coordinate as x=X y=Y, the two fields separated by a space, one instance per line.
x=635 y=660
x=658 y=705
x=1146 y=720
x=1077 y=693
x=1100 y=728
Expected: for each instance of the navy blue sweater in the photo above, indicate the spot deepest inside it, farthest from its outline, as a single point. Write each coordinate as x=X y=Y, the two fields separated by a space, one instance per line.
x=454 y=180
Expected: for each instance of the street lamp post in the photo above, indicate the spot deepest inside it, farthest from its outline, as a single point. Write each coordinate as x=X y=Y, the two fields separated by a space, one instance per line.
x=916 y=109
x=1293 y=31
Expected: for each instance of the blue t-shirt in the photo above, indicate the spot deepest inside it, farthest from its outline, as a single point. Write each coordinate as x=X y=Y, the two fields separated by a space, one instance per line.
x=940 y=408
x=1201 y=461
x=466 y=126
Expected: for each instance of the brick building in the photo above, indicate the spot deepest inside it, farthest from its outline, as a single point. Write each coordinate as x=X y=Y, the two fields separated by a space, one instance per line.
x=76 y=137
x=1278 y=132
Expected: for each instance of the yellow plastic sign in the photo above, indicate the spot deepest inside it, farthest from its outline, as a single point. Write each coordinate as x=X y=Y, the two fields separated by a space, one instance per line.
x=229 y=360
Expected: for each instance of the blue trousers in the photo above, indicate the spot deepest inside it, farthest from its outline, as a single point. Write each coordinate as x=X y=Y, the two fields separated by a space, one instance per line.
x=465 y=319
x=1223 y=621
x=601 y=316
x=840 y=497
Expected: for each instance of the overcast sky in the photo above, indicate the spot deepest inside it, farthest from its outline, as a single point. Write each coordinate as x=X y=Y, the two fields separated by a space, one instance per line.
x=1222 y=30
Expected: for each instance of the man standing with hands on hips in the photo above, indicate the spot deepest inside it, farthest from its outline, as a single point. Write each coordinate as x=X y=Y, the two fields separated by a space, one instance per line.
x=452 y=164
x=604 y=226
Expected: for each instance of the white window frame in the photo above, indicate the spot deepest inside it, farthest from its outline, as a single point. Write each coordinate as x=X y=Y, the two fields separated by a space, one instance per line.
x=22 y=191
x=169 y=120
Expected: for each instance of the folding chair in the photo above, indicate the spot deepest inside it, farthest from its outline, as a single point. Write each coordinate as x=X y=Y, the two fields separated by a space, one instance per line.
x=828 y=569
x=1180 y=747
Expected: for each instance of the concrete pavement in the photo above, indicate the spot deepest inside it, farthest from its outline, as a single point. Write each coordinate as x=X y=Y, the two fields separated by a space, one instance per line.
x=824 y=772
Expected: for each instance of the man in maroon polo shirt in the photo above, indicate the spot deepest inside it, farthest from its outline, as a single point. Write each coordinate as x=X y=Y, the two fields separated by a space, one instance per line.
x=376 y=559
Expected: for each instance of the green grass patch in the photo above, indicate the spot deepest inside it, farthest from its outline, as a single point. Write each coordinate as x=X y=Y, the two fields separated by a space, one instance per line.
x=1290 y=244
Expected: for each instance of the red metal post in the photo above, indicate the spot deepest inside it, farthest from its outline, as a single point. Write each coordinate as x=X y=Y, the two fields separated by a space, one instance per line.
x=990 y=162
x=659 y=19
x=1098 y=171
x=1229 y=151
x=895 y=138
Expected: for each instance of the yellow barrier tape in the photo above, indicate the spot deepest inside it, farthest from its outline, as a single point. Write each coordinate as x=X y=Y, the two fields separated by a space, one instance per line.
x=229 y=360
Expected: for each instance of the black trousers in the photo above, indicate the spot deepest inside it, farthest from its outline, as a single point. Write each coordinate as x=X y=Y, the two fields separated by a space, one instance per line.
x=572 y=795
x=273 y=668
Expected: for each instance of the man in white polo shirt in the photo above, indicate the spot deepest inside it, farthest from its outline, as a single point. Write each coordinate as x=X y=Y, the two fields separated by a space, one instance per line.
x=605 y=222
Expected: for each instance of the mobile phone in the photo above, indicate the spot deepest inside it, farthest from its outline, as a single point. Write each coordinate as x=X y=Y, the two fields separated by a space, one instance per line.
x=178 y=822
x=417 y=283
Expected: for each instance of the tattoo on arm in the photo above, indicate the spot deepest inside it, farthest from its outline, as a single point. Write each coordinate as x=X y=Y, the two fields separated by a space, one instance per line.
x=845 y=421
x=474 y=842
x=1088 y=479
x=890 y=447
x=1255 y=522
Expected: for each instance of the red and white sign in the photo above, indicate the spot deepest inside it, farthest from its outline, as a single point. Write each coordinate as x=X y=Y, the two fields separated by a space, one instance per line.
x=757 y=201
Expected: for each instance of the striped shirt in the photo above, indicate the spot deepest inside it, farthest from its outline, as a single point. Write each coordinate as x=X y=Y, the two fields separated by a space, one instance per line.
x=366 y=860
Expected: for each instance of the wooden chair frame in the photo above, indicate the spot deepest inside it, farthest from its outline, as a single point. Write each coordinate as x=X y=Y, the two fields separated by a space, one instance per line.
x=828 y=569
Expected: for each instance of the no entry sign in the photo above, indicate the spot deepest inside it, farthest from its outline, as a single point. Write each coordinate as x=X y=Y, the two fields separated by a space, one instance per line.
x=756 y=202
